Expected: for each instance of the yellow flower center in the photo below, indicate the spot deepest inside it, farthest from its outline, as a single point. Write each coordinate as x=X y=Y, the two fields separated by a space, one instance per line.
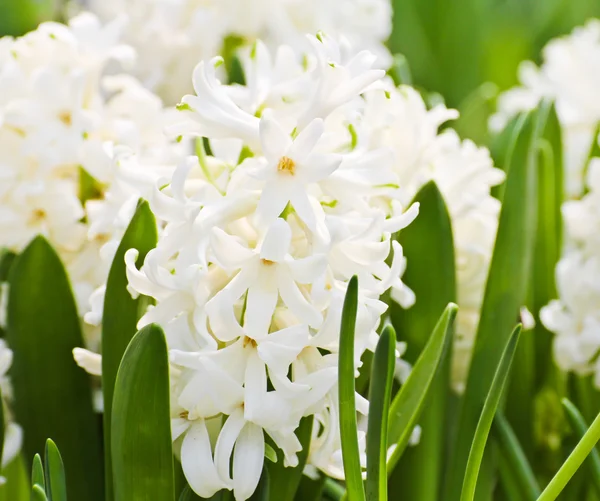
x=286 y=166
x=66 y=118
x=37 y=216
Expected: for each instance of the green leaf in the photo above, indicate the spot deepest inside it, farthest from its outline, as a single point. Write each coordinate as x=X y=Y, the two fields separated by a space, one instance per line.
x=141 y=427
x=52 y=395
x=37 y=494
x=573 y=462
x=37 y=472
x=121 y=314
x=533 y=361
x=380 y=392
x=487 y=416
x=56 y=486
x=408 y=403
x=580 y=427
x=428 y=246
x=348 y=429
x=2 y=427
x=17 y=486
x=515 y=459
x=20 y=16
x=284 y=482
x=505 y=291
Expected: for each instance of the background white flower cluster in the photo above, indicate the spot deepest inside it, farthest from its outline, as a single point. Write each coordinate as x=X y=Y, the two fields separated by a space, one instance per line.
x=171 y=36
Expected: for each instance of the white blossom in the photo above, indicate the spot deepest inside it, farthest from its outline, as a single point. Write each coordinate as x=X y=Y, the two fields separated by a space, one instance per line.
x=570 y=75
x=260 y=241
x=171 y=36
x=575 y=316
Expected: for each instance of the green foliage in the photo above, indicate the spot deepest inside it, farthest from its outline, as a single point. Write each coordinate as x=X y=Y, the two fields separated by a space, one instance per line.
x=408 y=404
x=17 y=17
x=379 y=404
x=487 y=417
x=141 y=428
x=121 y=314
x=347 y=396
x=506 y=289
x=580 y=427
x=52 y=395
x=429 y=248
x=54 y=472
x=517 y=466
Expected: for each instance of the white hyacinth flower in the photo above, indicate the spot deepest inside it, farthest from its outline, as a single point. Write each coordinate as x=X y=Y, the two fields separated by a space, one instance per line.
x=575 y=316
x=171 y=36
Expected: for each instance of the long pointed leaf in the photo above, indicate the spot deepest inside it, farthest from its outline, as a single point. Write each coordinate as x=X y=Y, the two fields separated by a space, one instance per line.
x=37 y=494
x=121 y=314
x=428 y=246
x=487 y=417
x=505 y=292
x=56 y=486
x=580 y=427
x=379 y=405
x=37 y=472
x=52 y=395
x=141 y=440
x=573 y=462
x=515 y=459
x=408 y=403
x=348 y=429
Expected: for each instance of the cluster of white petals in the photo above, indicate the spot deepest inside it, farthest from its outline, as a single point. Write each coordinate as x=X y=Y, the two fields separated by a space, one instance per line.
x=464 y=173
x=570 y=75
x=13 y=434
x=303 y=176
x=575 y=317
x=77 y=148
x=171 y=36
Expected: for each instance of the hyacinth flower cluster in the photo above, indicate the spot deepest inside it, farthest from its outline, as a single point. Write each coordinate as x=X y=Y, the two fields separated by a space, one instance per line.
x=172 y=36
x=301 y=178
x=575 y=316
x=77 y=150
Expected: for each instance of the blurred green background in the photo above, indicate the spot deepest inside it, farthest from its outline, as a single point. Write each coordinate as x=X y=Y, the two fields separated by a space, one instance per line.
x=455 y=47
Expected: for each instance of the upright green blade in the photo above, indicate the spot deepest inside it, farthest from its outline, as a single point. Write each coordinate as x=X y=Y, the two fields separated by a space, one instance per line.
x=37 y=472
x=487 y=417
x=517 y=466
x=573 y=463
x=56 y=486
x=379 y=404
x=428 y=246
x=579 y=426
x=348 y=429
x=533 y=361
x=37 y=494
x=52 y=395
x=121 y=314
x=141 y=428
x=284 y=482
x=505 y=292
x=408 y=403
